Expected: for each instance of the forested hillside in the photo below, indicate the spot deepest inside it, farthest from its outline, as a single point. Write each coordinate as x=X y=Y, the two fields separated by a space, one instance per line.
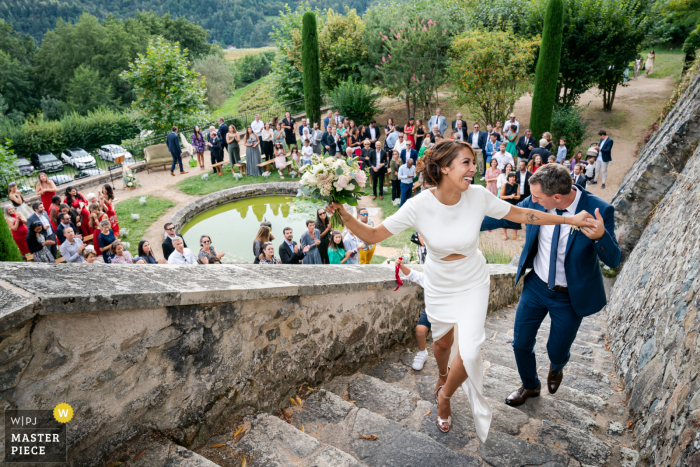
x=230 y=22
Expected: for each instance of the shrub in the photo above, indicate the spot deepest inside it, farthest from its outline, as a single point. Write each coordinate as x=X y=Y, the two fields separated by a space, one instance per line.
x=568 y=123
x=310 y=66
x=8 y=247
x=252 y=66
x=355 y=101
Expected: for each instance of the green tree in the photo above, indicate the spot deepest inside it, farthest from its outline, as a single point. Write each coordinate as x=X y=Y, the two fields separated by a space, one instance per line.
x=219 y=78
x=87 y=91
x=355 y=101
x=490 y=72
x=16 y=84
x=252 y=66
x=168 y=92
x=547 y=70
x=341 y=48
x=286 y=80
x=310 y=70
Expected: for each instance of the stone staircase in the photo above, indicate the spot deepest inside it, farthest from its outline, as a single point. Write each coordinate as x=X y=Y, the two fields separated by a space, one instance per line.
x=584 y=424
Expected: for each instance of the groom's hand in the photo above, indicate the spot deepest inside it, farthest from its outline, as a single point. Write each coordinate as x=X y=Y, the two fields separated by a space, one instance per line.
x=594 y=228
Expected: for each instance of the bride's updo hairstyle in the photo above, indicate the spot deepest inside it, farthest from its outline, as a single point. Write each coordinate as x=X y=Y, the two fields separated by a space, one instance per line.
x=441 y=155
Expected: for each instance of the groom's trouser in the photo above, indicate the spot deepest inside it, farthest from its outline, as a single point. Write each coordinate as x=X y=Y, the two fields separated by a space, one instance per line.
x=535 y=302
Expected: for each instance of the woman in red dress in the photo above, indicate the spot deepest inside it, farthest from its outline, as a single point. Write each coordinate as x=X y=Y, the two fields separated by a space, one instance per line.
x=410 y=132
x=107 y=200
x=54 y=210
x=77 y=201
x=18 y=227
x=45 y=188
x=96 y=216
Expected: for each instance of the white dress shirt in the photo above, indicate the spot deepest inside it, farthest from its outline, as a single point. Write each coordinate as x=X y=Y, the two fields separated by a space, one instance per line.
x=508 y=123
x=544 y=240
x=522 y=182
x=475 y=140
x=400 y=146
x=458 y=134
x=44 y=218
x=373 y=132
x=186 y=257
x=503 y=158
x=257 y=127
x=600 y=153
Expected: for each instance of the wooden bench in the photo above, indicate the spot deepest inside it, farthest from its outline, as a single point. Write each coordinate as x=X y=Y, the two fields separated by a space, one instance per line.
x=266 y=164
x=240 y=166
x=30 y=257
x=218 y=165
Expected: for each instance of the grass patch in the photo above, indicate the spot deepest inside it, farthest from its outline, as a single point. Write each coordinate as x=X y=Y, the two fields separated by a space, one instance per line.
x=668 y=63
x=493 y=252
x=235 y=54
x=230 y=106
x=198 y=187
x=376 y=259
x=148 y=214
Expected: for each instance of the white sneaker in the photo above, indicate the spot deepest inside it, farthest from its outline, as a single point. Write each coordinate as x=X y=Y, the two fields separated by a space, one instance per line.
x=419 y=360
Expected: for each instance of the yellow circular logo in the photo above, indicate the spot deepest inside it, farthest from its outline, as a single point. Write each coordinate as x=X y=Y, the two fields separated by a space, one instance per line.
x=63 y=413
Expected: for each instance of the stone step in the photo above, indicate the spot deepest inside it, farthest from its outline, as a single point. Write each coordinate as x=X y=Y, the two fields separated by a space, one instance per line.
x=162 y=453
x=588 y=332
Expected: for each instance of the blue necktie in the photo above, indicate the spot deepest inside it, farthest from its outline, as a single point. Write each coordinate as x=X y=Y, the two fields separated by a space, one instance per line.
x=553 y=252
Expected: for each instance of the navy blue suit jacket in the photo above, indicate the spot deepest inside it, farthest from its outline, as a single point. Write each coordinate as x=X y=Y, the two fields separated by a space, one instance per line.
x=583 y=275
x=606 y=149
x=482 y=138
x=173 y=142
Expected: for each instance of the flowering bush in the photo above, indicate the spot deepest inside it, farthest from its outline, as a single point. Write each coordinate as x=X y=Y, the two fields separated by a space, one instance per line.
x=129 y=178
x=142 y=200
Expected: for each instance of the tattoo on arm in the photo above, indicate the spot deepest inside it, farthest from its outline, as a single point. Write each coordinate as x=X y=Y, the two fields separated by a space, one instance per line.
x=531 y=218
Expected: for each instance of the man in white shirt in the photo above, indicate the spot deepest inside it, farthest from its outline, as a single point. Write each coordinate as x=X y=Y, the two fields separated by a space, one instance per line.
x=338 y=118
x=406 y=174
x=400 y=143
x=459 y=132
x=181 y=255
x=438 y=120
x=503 y=157
x=510 y=122
x=257 y=126
x=524 y=179
x=318 y=136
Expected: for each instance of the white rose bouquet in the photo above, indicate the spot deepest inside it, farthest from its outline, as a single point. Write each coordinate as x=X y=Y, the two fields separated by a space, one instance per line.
x=332 y=180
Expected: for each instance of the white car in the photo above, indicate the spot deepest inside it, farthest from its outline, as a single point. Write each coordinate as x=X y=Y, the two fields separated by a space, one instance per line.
x=78 y=158
x=109 y=152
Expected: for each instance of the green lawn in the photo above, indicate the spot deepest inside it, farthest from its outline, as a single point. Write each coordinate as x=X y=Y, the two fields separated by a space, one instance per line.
x=667 y=62
x=148 y=214
x=230 y=107
x=197 y=186
x=376 y=259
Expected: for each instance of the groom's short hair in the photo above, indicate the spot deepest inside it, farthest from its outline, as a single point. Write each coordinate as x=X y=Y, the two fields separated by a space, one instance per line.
x=553 y=179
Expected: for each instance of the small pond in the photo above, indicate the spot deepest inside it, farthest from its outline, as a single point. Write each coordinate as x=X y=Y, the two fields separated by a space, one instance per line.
x=233 y=226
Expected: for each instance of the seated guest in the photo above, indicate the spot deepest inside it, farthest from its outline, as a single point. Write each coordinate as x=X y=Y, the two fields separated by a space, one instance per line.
x=120 y=255
x=71 y=246
x=208 y=255
x=105 y=240
x=38 y=244
x=64 y=223
x=170 y=235
x=181 y=254
x=40 y=215
x=90 y=256
x=289 y=250
x=552 y=160
x=268 y=254
x=140 y=261
x=336 y=249
x=146 y=254
x=75 y=218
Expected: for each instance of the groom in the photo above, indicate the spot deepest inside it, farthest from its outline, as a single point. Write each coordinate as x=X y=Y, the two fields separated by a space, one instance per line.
x=565 y=280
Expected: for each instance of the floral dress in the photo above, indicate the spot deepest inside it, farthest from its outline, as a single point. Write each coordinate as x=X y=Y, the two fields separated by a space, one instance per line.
x=491 y=186
x=199 y=145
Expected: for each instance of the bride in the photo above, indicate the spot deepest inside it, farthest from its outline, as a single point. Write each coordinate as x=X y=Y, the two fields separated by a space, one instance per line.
x=457 y=281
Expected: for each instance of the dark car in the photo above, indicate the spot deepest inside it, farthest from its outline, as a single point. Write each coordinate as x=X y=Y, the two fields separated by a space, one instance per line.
x=88 y=173
x=61 y=179
x=46 y=162
x=24 y=167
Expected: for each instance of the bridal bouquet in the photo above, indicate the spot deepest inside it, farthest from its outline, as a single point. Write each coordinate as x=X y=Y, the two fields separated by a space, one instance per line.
x=332 y=180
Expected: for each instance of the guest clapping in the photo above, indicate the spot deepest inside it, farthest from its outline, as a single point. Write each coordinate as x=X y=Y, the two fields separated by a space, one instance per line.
x=208 y=255
x=71 y=246
x=289 y=251
x=336 y=249
x=268 y=254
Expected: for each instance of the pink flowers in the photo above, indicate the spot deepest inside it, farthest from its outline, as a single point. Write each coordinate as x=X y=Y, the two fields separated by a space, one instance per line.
x=384 y=59
x=361 y=178
x=398 y=36
x=376 y=66
x=431 y=22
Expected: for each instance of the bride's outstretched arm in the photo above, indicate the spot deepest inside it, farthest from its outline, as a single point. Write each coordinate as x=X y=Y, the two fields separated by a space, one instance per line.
x=366 y=233
x=532 y=216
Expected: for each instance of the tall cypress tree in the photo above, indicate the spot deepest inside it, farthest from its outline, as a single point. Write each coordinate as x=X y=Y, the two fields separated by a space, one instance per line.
x=8 y=247
x=310 y=68
x=547 y=70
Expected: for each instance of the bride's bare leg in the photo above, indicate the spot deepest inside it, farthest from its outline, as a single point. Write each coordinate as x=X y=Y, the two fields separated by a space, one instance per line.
x=457 y=376
x=441 y=350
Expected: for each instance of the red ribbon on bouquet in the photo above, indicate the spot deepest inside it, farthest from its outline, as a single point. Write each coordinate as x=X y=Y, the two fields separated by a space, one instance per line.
x=398 y=279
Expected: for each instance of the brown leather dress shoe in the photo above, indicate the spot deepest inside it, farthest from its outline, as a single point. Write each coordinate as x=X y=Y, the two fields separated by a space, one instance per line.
x=521 y=395
x=554 y=380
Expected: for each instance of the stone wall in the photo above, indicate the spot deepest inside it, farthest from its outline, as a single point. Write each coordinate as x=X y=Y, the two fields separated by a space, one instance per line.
x=176 y=349
x=654 y=324
x=651 y=176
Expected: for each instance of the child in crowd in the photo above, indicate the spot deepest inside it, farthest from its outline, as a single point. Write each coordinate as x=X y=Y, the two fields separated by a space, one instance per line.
x=306 y=153
x=552 y=160
x=561 y=152
x=280 y=159
x=590 y=169
x=423 y=325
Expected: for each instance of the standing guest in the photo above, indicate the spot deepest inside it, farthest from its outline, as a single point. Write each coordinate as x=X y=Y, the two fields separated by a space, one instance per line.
x=168 y=242
x=604 y=149
x=458 y=122
x=576 y=160
x=77 y=201
x=216 y=148
x=208 y=254
x=146 y=253
x=372 y=133
x=460 y=132
x=338 y=118
x=340 y=129
x=406 y=174
x=377 y=162
x=354 y=139
x=288 y=124
x=477 y=139
x=41 y=216
x=439 y=121
x=365 y=154
x=268 y=135
x=548 y=136
x=18 y=226
x=389 y=127
x=410 y=131
x=525 y=144
x=302 y=126
x=306 y=154
x=105 y=240
x=332 y=142
x=252 y=153
x=394 y=166
x=279 y=136
x=492 y=147
x=317 y=144
x=96 y=217
x=541 y=151
x=119 y=254
x=491 y=131
x=434 y=133
x=420 y=133
x=289 y=250
x=510 y=193
x=90 y=256
x=352 y=247
x=424 y=147
x=503 y=178
x=310 y=240
x=499 y=129
x=281 y=159
x=107 y=201
x=55 y=210
x=423 y=325
x=409 y=153
x=328 y=121
x=234 y=150
x=63 y=224
x=523 y=179
x=46 y=189
x=173 y=142
x=181 y=254
x=307 y=135
x=491 y=177
x=511 y=138
x=400 y=142
x=577 y=177
x=535 y=163
x=649 y=65
x=223 y=129
x=336 y=249
x=38 y=244
x=323 y=225
x=552 y=160
x=268 y=254
x=72 y=247
x=199 y=145
x=503 y=157
x=257 y=125
x=367 y=250
x=17 y=201
x=512 y=122
x=391 y=138
x=637 y=65
x=351 y=126
x=263 y=236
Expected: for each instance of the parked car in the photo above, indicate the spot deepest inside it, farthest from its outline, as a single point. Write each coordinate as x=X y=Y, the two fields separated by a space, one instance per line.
x=61 y=179
x=78 y=158
x=46 y=162
x=88 y=173
x=109 y=152
x=24 y=167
